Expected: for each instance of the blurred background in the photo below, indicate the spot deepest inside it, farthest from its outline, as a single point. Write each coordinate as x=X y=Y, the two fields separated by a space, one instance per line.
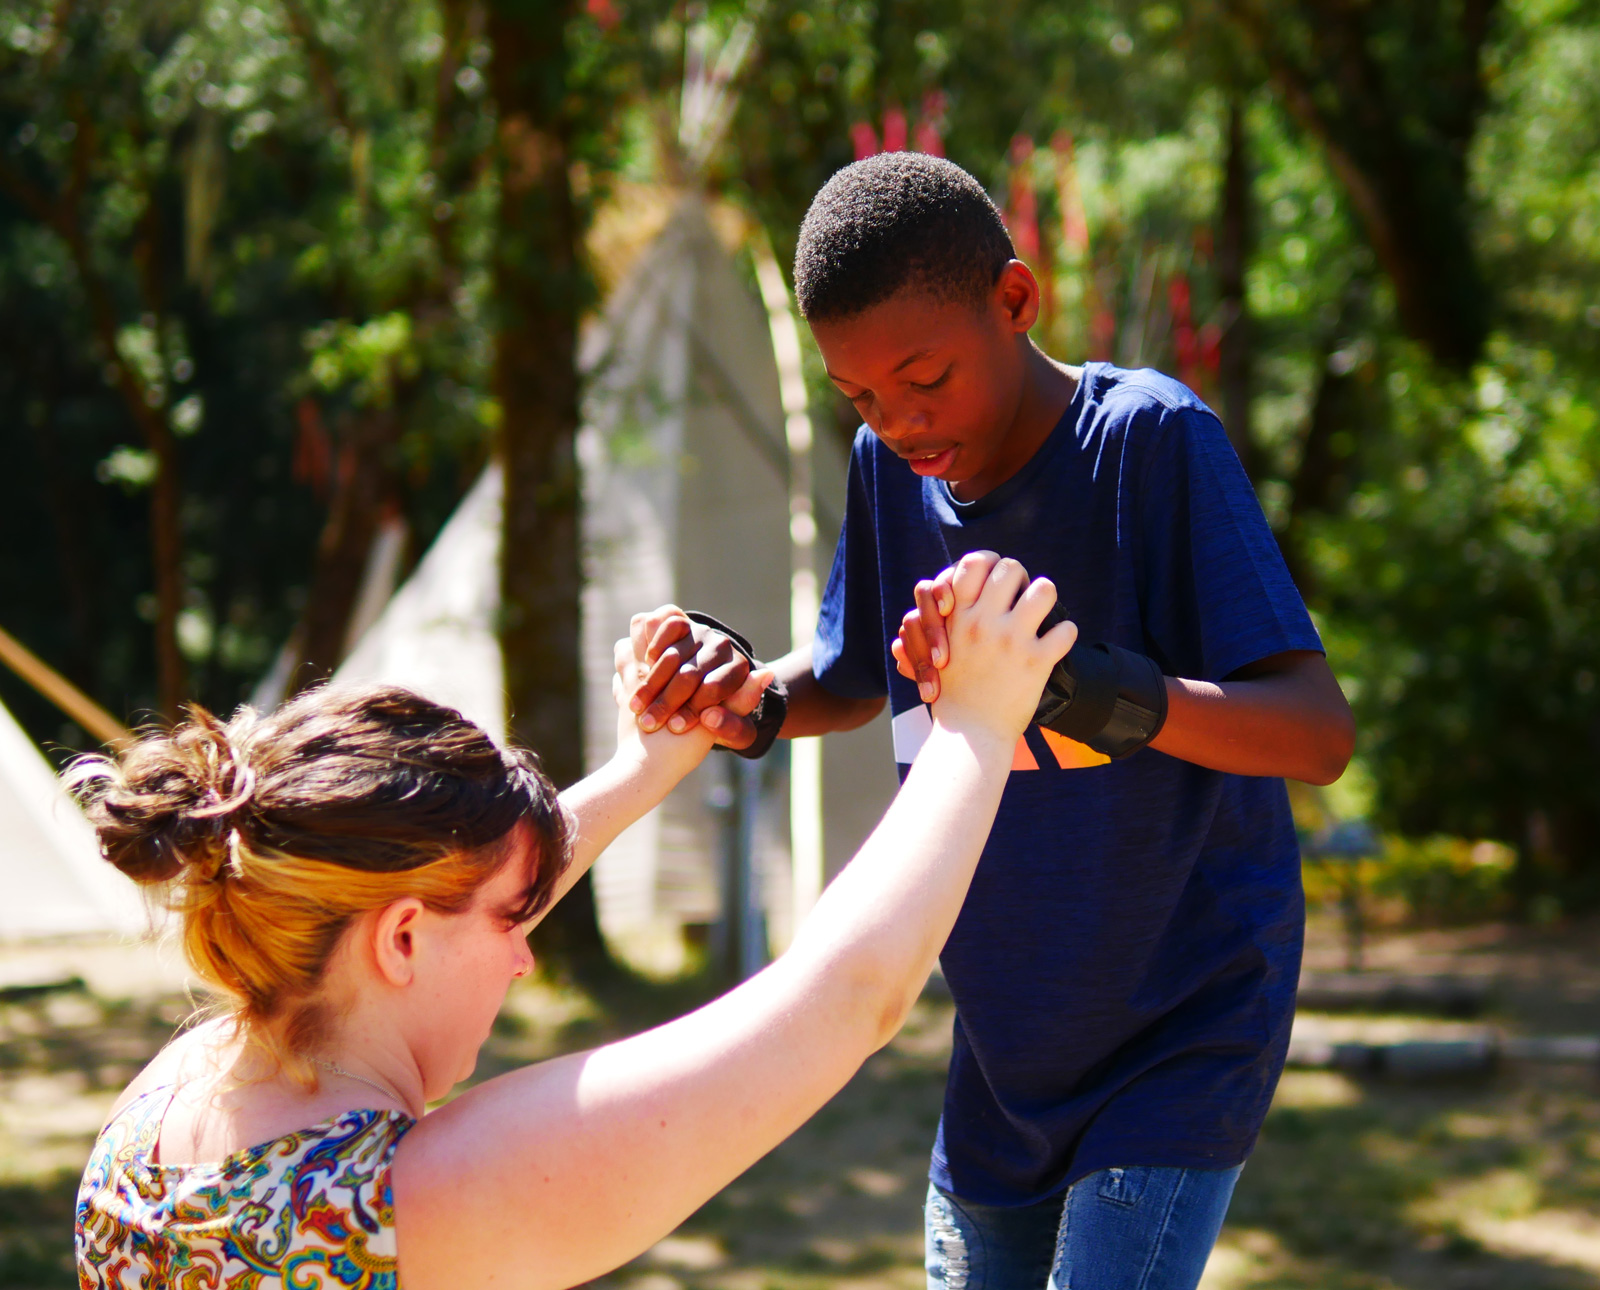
x=309 y=309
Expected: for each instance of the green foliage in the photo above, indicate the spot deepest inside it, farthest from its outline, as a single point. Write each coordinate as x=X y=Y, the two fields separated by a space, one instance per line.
x=280 y=201
x=273 y=222
x=1432 y=881
x=1463 y=581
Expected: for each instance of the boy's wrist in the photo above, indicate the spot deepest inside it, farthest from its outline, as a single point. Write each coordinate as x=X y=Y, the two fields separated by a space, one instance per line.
x=1110 y=699
x=770 y=712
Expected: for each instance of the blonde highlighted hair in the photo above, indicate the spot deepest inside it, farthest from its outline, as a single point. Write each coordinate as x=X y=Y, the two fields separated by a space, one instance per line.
x=269 y=835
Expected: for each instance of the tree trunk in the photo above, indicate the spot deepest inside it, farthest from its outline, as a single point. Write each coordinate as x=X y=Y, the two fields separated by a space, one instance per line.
x=364 y=482
x=1328 y=461
x=537 y=280
x=1235 y=374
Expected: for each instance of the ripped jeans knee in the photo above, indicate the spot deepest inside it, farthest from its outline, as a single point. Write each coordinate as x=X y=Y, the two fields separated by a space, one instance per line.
x=948 y=1258
x=985 y=1247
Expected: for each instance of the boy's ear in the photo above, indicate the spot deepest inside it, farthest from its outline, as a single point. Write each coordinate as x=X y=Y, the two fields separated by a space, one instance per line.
x=1017 y=294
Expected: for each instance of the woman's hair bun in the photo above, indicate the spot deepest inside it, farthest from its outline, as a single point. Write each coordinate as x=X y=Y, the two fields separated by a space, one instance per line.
x=171 y=799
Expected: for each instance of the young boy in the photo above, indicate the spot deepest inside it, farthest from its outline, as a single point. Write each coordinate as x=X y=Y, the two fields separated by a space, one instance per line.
x=1124 y=967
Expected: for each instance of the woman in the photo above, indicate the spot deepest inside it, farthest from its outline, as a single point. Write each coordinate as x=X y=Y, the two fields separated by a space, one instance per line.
x=358 y=871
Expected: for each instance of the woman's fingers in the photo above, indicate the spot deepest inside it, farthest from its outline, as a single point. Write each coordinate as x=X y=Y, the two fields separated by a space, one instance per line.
x=1006 y=580
x=1059 y=640
x=1035 y=603
x=653 y=631
x=969 y=576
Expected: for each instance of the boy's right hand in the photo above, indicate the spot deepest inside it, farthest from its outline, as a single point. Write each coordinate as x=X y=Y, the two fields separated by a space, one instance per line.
x=996 y=661
x=689 y=672
x=678 y=751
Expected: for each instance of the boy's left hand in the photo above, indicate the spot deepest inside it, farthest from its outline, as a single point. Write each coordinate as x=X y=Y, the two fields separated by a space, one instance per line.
x=922 y=648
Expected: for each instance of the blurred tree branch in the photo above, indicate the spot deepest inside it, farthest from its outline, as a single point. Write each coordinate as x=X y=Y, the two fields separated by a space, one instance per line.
x=1395 y=129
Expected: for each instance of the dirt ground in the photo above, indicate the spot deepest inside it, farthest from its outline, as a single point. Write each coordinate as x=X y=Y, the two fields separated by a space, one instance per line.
x=1358 y=1183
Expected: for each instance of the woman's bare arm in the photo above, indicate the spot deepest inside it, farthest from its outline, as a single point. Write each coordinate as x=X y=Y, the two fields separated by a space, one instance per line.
x=638 y=777
x=552 y=1175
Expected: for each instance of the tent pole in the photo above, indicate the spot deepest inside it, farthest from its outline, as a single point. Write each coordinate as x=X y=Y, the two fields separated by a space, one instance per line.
x=62 y=692
x=805 y=755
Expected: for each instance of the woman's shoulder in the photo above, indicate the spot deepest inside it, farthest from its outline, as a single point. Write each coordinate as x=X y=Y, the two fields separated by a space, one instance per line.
x=174 y=1063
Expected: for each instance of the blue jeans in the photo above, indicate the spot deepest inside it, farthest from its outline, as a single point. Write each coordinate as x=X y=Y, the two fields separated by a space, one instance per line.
x=1139 y=1228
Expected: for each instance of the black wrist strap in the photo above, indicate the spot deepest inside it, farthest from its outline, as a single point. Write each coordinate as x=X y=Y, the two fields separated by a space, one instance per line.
x=774 y=706
x=1107 y=697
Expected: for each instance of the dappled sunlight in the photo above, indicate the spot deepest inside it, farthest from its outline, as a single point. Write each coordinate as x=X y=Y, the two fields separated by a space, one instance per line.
x=1378 y=1183
x=1316 y=1089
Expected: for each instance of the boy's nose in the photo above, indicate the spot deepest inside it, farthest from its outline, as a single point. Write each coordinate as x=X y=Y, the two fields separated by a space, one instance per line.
x=894 y=424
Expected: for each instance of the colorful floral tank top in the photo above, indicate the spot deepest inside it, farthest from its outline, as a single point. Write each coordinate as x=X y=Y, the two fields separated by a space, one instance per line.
x=311 y=1210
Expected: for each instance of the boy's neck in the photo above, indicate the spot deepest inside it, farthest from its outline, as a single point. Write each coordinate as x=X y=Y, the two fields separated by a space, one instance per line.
x=1048 y=388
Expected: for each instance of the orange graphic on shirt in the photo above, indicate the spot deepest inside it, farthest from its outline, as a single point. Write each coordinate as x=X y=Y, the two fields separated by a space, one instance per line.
x=1070 y=754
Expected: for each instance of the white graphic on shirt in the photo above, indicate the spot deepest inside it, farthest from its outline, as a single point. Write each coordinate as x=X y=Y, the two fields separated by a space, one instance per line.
x=911 y=730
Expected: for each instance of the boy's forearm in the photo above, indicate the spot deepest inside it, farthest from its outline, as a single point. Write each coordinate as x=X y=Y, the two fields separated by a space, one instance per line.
x=813 y=709
x=1284 y=716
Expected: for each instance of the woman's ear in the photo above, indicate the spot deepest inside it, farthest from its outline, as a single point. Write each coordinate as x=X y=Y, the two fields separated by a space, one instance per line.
x=394 y=940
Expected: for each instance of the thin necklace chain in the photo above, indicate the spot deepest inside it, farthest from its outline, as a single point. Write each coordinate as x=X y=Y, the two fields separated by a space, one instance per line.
x=336 y=1069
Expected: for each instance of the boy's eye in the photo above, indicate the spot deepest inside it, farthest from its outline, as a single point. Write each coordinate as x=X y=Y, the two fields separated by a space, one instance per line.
x=933 y=384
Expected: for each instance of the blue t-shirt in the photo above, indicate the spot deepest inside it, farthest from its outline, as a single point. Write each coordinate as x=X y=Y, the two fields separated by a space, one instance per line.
x=1124 y=967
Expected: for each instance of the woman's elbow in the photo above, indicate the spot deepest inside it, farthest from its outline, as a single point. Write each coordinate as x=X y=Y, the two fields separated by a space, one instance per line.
x=882 y=996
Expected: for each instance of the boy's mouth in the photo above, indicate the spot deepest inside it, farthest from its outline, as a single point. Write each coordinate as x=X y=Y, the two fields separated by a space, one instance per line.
x=932 y=464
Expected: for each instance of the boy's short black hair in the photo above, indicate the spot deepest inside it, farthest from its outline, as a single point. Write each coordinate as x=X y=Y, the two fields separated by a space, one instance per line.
x=895 y=220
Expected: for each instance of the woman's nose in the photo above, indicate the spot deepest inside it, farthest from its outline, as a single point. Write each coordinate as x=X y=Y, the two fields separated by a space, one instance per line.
x=522 y=958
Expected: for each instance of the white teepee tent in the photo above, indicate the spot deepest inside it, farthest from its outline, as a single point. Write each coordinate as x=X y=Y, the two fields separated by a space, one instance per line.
x=56 y=883
x=685 y=496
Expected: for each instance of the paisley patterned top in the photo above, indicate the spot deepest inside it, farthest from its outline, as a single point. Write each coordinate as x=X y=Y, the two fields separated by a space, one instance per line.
x=311 y=1210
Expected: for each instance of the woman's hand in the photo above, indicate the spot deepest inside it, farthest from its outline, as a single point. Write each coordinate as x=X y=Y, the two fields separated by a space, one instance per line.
x=644 y=770
x=997 y=662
